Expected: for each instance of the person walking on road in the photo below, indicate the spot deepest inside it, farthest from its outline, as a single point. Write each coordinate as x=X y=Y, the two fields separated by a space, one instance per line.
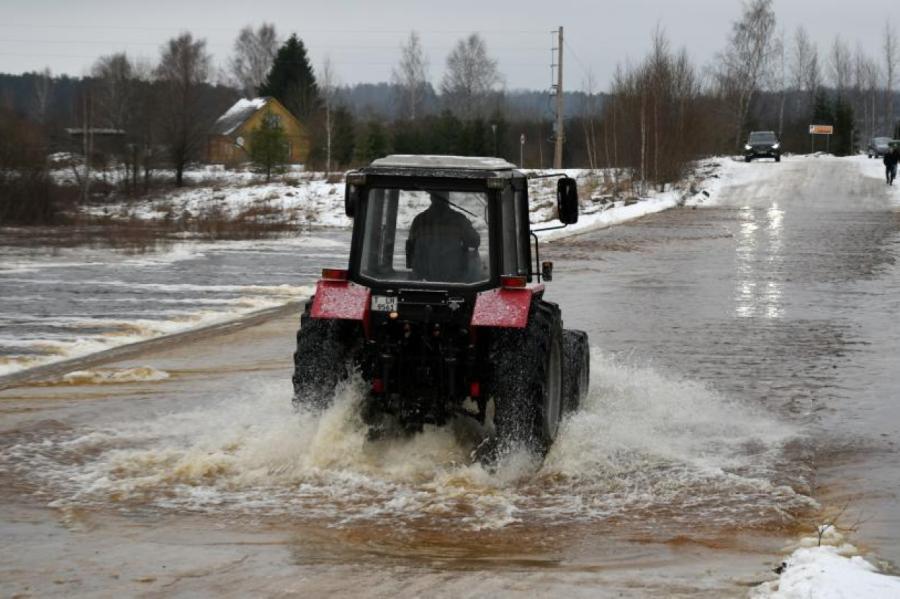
x=891 y=159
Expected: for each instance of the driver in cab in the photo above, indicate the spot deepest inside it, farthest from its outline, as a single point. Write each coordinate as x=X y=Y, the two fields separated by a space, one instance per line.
x=440 y=242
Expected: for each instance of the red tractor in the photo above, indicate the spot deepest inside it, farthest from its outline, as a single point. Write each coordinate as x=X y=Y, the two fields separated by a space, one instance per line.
x=442 y=308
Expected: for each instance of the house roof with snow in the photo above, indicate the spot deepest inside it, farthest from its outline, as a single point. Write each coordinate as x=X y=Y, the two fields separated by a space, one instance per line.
x=239 y=114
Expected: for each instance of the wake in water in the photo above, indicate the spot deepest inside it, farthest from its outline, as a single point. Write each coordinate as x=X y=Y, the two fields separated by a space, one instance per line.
x=645 y=447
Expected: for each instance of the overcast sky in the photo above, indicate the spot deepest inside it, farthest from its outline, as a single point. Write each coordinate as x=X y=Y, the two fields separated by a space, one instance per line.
x=362 y=37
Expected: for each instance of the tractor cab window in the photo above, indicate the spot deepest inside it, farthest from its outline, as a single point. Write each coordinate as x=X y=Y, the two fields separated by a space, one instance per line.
x=434 y=236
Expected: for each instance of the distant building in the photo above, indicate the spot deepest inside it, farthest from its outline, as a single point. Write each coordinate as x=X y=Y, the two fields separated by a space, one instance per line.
x=229 y=139
x=103 y=142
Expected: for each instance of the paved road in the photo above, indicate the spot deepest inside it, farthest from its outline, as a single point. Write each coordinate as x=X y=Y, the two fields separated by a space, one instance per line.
x=743 y=382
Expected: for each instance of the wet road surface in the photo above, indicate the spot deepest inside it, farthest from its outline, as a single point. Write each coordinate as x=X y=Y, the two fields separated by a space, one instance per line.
x=743 y=381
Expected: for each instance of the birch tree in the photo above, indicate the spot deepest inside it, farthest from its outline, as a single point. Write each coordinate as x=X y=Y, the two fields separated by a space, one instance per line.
x=114 y=90
x=410 y=77
x=745 y=60
x=254 y=52
x=805 y=66
x=470 y=78
x=890 y=72
x=328 y=85
x=43 y=86
x=841 y=67
x=183 y=68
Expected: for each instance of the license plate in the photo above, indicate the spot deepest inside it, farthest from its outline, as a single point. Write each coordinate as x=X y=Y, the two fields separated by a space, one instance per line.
x=384 y=303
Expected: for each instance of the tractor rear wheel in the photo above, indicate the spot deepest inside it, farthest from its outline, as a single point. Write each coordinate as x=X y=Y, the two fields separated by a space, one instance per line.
x=526 y=383
x=324 y=357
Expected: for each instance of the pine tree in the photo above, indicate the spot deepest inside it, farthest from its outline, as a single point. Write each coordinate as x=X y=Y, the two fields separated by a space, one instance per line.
x=269 y=148
x=844 y=129
x=446 y=138
x=822 y=114
x=292 y=82
x=374 y=143
x=344 y=139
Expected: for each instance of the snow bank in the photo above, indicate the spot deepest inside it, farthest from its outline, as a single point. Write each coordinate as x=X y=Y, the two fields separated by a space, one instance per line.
x=834 y=570
x=616 y=213
x=874 y=168
x=714 y=175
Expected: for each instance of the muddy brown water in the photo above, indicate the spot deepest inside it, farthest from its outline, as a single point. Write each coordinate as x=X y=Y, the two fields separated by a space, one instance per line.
x=743 y=385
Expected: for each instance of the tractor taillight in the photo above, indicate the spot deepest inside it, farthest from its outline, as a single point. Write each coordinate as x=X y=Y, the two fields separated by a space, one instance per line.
x=513 y=282
x=334 y=274
x=377 y=386
x=475 y=389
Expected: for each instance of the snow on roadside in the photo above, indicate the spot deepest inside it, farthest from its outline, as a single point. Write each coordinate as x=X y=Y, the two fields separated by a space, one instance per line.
x=714 y=175
x=874 y=168
x=832 y=570
x=312 y=199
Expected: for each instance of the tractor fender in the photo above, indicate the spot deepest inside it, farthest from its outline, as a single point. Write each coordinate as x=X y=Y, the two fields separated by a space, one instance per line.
x=506 y=307
x=341 y=300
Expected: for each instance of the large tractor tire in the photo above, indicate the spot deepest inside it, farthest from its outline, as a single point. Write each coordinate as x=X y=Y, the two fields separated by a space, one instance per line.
x=526 y=383
x=576 y=368
x=324 y=357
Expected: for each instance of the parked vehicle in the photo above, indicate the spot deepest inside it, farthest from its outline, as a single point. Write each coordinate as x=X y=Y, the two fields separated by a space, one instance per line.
x=443 y=315
x=878 y=147
x=762 y=144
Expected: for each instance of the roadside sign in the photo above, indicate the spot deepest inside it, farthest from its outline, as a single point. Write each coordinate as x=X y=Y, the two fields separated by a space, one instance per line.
x=821 y=130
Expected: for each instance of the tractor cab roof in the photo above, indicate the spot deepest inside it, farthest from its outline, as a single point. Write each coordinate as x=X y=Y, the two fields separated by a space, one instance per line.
x=461 y=167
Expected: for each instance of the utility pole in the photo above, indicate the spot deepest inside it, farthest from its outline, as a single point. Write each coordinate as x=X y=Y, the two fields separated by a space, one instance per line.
x=560 y=134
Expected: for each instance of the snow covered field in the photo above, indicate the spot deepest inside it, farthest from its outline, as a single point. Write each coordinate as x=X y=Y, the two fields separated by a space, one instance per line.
x=317 y=200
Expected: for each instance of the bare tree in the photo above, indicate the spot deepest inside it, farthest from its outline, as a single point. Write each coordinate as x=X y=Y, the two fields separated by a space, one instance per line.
x=470 y=78
x=43 y=85
x=410 y=76
x=778 y=77
x=841 y=67
x=183 y=68
x=114 y=90
x=254 y=52
x=805 y=74
x=328 y=86
x=802 y=54
x=890 y=72
x=589 y=114
x=867 y=79
x=655 y=103
x=745 y=60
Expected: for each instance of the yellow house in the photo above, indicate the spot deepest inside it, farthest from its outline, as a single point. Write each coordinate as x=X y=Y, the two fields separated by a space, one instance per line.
x=229 y=139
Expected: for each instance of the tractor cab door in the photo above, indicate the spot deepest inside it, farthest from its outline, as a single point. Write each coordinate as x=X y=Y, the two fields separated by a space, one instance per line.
x=515 y=231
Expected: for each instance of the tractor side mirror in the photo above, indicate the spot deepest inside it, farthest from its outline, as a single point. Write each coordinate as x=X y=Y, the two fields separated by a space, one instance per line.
x=567 y=200
x=352 y=192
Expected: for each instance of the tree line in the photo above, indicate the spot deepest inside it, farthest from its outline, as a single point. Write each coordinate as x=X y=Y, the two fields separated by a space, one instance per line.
x=658 y=115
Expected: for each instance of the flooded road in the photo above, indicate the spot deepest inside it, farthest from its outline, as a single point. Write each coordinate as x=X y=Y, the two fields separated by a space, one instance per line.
x=66 y=294
x=743 y=381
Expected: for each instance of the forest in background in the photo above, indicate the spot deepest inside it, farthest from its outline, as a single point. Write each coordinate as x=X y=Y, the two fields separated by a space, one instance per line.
x=655 y=118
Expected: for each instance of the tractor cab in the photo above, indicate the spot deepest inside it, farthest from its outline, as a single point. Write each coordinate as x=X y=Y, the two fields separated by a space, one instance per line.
x=442 y=222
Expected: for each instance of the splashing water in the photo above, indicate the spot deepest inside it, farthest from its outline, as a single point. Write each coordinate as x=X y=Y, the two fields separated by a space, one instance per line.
x=645 y=448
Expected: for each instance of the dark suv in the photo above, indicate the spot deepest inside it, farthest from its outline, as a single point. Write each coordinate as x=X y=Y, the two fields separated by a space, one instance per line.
x=878 y=147
x=762 y=144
